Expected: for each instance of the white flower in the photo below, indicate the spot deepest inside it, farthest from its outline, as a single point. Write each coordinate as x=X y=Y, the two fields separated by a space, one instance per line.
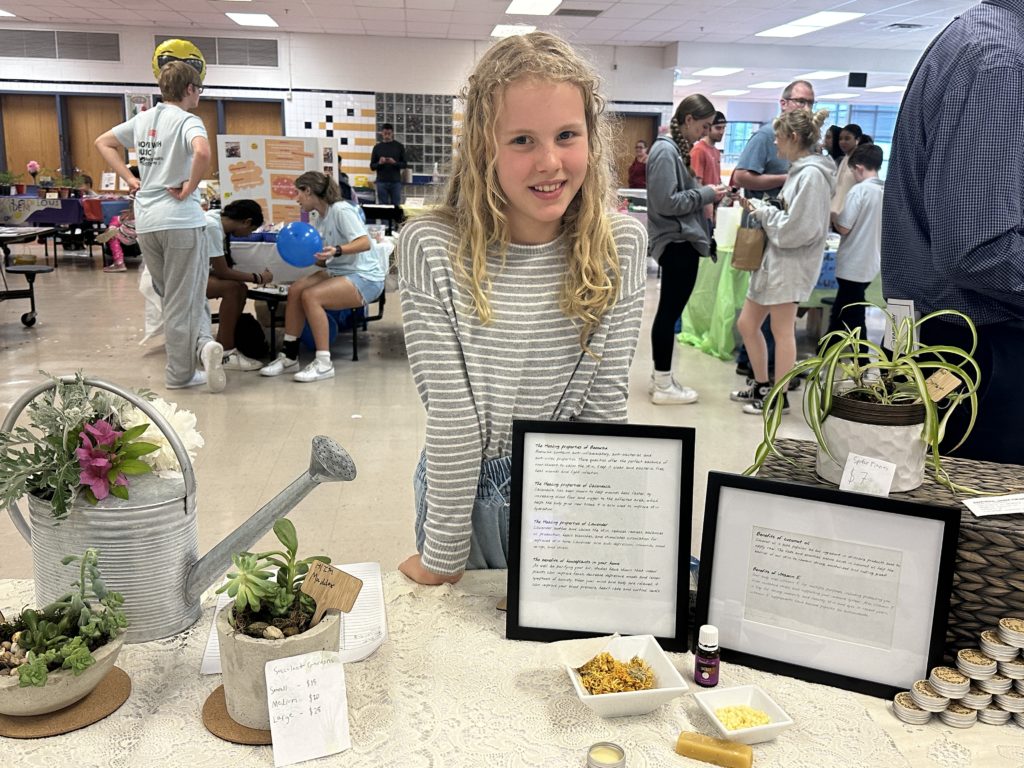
x=184 y=424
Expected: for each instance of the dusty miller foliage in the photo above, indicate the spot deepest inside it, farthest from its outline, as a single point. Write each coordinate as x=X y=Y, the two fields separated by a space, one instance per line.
x=41 y=460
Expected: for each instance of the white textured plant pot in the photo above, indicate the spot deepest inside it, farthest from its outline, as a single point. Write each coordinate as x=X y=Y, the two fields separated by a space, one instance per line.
x=63 y=688
x=243 y=660
x=902 y=445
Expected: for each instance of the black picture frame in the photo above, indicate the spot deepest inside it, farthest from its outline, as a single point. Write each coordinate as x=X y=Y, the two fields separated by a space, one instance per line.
x=745 y=514
x=591 y=612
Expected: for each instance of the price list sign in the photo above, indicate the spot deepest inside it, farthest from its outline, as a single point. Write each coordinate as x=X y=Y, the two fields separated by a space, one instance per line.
x=308 y=707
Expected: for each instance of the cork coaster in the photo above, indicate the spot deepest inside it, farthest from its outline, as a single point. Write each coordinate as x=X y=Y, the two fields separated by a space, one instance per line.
x=219 y=723
x=105 y=699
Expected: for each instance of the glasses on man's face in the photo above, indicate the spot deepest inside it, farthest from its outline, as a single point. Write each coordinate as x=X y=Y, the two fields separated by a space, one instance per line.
x=802 y=102
x=199 y=88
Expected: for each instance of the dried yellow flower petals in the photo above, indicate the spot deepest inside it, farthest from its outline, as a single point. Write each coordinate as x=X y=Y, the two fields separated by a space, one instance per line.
x=604 y=674
x=741 y=716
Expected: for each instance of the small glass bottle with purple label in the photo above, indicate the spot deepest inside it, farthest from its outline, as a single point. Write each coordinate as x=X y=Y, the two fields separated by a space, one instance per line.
x=705 y=665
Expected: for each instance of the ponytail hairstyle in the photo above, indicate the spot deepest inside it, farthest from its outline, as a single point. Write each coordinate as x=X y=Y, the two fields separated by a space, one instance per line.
x=321 y=185
x=474 y=202
x=696 y=106
x=240 y=210
x=806 y=127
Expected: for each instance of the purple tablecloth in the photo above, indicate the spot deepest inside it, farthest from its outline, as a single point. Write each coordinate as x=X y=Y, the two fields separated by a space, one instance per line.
x=19 y=209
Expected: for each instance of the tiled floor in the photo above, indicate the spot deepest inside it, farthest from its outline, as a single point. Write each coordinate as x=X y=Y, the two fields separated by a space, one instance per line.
x=258 y=430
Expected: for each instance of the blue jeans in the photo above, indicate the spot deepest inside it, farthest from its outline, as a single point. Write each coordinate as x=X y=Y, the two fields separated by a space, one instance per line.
x=389 y=192
x=489 y=545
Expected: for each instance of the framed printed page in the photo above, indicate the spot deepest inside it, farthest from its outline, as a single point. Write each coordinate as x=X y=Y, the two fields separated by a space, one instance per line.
x=599 y=531
x=845 y=589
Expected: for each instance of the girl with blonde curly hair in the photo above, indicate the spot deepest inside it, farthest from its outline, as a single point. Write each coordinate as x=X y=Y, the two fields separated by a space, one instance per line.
x=521 y=295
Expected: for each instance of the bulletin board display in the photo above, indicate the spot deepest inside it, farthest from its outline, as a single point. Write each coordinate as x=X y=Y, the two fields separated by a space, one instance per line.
x=264 y=169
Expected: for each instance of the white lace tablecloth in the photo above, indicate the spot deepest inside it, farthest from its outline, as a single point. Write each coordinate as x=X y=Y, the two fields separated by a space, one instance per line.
x=449 y=691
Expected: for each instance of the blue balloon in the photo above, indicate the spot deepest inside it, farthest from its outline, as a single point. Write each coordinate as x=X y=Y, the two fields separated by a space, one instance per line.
x=299 y=243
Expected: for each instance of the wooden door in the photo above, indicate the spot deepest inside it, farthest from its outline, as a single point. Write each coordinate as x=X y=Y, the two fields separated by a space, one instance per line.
x=87 y=118
x=253 y=118
x=207 y=112
x=633 y=128
x=30 y=132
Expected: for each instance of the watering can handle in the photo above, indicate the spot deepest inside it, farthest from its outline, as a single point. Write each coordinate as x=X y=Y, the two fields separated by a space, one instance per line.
x=172 y=437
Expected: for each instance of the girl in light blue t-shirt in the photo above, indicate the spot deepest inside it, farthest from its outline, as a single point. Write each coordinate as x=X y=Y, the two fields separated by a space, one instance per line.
x=352 y=276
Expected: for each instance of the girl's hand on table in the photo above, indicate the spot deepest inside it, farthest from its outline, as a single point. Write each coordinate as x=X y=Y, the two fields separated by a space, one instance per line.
x=414 y=569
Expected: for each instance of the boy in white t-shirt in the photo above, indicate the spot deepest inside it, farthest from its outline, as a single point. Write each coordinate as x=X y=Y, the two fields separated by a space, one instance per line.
x=860 y=224
x=174 y=156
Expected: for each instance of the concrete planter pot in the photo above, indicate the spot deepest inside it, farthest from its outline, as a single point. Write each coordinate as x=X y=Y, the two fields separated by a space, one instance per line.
x=243 y=660
x=63 y=688
x=890 y=432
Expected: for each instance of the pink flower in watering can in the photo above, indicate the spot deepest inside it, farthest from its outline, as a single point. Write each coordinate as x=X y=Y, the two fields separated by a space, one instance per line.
x=107 y=457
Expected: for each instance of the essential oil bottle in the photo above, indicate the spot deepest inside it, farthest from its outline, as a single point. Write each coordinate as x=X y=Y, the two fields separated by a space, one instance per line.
x=705 y=665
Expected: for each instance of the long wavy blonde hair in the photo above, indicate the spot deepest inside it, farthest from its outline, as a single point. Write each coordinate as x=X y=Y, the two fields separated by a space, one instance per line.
x=475 y=203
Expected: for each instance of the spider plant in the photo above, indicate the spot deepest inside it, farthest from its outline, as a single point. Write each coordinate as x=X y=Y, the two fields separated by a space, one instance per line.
x=850 y=366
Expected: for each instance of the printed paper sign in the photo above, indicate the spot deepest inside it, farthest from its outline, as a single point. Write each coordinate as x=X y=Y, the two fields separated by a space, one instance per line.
x=308 y=707
x=865 y=474
x=983 y=506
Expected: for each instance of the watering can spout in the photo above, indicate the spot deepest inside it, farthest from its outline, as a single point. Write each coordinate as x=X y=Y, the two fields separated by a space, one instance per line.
x=329 y=462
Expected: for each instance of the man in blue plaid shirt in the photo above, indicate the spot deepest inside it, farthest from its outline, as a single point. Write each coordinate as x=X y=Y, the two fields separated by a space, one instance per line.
x=952 y=224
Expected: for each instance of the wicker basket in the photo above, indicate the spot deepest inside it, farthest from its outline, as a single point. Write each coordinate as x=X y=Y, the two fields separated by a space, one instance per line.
x=988 y=583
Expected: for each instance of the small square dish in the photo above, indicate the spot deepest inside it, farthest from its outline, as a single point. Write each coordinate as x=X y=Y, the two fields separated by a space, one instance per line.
x=744 y=695
x=668 y=682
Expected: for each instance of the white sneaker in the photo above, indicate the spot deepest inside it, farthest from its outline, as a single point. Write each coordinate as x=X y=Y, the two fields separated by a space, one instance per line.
x=197 y=380
x=236 y=361
x=674 y=394
x=279 y=366
x=315 y=371
x=212 y=357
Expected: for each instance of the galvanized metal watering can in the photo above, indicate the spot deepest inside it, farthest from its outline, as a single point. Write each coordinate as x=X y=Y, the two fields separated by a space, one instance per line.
x=149 y=544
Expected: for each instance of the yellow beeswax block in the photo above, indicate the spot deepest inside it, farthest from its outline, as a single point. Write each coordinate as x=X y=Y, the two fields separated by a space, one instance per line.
x=727 y=754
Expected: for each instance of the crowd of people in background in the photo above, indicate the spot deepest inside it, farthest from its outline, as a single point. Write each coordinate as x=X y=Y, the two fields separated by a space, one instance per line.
x=525 y=238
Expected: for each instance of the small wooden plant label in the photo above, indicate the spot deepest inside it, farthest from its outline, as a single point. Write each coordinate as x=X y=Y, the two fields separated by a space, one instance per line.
x=330 y=588
x=940 y=384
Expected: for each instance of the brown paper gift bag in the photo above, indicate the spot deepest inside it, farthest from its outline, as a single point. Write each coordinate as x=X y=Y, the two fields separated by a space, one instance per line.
x=748 y=250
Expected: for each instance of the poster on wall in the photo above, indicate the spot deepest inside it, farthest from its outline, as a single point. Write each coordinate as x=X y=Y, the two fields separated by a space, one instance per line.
x=264 y=169
x=134 y=103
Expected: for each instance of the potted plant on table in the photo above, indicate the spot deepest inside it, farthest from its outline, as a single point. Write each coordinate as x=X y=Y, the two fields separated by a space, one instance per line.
x=8 y=181
x=861 y=398
x=268 y=619
x=54 y=656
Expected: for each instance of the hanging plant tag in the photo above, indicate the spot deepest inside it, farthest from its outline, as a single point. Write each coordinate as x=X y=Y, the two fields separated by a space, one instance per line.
x=331 y=588
x=940 y=384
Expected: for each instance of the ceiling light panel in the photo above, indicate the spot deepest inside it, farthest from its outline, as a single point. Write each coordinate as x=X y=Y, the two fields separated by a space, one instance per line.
x=532 y=7
x=822 y=74
x=717 y=71
x=837 y=96
x=252 y=19
x=730 y=92
x=808 y=24
x=772 y=84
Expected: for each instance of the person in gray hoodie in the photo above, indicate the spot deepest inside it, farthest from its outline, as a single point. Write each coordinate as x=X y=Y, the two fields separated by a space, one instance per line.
x=795 y=231
x=678 y=235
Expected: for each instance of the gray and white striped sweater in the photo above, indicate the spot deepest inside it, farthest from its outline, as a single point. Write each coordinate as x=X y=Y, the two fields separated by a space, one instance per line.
x=475 y=379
